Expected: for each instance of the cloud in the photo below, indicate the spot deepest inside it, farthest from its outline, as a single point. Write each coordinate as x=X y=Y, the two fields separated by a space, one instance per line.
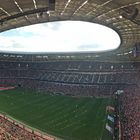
x=89 y=47
x=68 y=36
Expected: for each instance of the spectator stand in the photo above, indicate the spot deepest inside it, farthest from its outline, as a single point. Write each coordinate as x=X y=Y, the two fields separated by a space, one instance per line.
x=18 y=130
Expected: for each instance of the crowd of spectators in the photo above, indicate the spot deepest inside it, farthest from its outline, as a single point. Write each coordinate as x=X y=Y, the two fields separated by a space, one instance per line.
x=11 y=130
x=130 y=114
x=70 y=77
x=5 y=136
x=67 y=65
x=79 y=78
x=78 y=90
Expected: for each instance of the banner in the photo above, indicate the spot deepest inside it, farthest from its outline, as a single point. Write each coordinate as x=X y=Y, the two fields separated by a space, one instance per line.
x=109 y=128
x=110 y=109
x=110 y=118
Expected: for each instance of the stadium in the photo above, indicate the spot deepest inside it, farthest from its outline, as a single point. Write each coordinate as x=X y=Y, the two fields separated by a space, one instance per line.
x=85 y=95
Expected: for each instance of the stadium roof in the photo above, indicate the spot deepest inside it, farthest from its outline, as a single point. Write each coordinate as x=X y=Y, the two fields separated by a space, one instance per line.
x=120 y=15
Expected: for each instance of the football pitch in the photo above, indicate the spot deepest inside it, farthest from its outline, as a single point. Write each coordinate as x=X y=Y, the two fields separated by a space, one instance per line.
x=69 y=118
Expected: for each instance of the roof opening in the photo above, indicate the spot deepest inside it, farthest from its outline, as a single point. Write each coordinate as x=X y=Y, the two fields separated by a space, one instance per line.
x=59 y=37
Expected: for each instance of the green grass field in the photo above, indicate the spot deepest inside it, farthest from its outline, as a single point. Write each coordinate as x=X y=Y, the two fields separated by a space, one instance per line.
x=62 y=116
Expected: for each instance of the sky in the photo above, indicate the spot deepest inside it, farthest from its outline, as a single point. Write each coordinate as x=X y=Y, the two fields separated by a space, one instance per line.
x=62 y=36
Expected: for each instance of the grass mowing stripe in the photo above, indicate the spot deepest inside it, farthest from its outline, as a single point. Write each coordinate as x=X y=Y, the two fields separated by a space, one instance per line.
x=68 y=117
